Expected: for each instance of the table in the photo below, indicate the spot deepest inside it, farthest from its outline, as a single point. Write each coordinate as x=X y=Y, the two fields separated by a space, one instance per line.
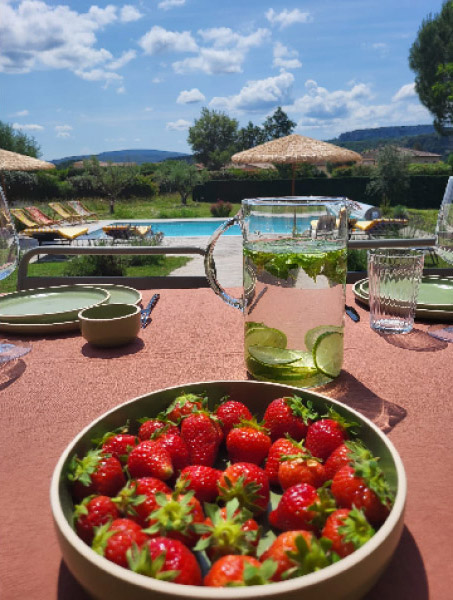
x=404 y=383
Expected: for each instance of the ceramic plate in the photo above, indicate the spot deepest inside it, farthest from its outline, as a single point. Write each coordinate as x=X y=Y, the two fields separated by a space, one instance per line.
x=435 y=292
x=121 y=294
x=39 y=328
x=55 y=304
x=432 y=314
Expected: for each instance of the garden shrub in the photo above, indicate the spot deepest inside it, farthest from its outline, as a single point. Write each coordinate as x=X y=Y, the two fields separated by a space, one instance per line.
x=220 y=209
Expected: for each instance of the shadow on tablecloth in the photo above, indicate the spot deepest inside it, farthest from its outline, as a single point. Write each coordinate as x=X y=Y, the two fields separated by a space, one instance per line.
x=350 y=391
x=416 y=341
x=104 y=353
x=68 y=586
x=11 y=371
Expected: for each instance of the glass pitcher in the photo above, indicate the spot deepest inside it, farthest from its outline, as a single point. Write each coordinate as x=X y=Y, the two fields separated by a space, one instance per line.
x=294 y=277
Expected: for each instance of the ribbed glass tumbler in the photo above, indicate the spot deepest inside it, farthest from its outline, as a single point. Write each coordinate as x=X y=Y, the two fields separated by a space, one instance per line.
x=393 y=280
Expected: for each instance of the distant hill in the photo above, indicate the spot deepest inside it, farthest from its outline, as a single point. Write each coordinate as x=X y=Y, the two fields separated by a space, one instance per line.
x=419 y=137
x=137 y=156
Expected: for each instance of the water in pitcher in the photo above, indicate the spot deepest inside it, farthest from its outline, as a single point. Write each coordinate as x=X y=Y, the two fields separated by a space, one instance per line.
x=294 y=310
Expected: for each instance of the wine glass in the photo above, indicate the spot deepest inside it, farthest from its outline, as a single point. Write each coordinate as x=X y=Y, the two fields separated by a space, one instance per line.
x=9 y=257
x=444 y=249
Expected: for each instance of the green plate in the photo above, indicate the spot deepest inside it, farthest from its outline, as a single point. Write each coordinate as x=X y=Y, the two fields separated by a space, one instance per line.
x=56 y=304
x=121 y=294
x=40 y=328
x=435 y=292
x=431 y=314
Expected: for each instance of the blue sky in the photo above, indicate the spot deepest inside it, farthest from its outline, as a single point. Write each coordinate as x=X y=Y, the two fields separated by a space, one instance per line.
x=82 y=78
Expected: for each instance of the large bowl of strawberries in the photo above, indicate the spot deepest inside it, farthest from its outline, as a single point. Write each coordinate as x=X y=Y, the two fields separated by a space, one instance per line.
x=265 y=488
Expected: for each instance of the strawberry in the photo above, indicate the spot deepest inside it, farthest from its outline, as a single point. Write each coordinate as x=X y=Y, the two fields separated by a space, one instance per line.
x=235 y=570
x=227 y=530
x=344 y=454
x=363 y=486
x=149 y=459
x=150 y=426
x=165 y=559
x=95 y=474
x=288 y=416
x=114 y=539
x=248 y=441
x=348 y=530
x=117 y=443
x=175 y=446
x=298 y=553
x=230 y=413
x=325 y=435
x=282 y=446
x=202 y=480
x=93 y=512
x=175 y=516
x=184 y=405
x=301 y=468
x=295 y=509
x=137 y=499
x=201 y=435
x=248 y=483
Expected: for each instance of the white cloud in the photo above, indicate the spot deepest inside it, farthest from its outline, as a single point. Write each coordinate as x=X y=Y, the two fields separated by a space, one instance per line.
x=148 y=108
x=285 y=58
x=259 y=95
x=21 y=113
x=63 y=131
x=179 y=125
x=156 y=80
x=167 y=4
x=190 y=96
x=99 y=75
x=122 y=60
x=405 y=92
x=224 y=37
x=129 y=13
x=158 y=40
x=28 y=127
x=121 y=90
x=287 y=17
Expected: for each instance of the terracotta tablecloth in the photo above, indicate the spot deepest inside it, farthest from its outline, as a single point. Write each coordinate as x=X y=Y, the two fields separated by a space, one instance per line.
x=403 y=383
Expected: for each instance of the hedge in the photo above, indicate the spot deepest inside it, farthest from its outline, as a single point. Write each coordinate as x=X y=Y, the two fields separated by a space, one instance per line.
x=424 y=192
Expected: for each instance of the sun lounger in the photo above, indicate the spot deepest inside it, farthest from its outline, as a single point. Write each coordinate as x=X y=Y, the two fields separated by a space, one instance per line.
x=117 y=232
x=64 y=214
x=39 y=217
x=82 y=210
x=378 y=227
x=22 y=217
x=50 y=234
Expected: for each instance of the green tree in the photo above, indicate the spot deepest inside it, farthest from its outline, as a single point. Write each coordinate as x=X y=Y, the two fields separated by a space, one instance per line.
x=250 y=136
x=277 y=125
x=390 y=179
x=16 y=141
x=111 y=180
x=431 y=58
x=213 y=138
x=180 y=177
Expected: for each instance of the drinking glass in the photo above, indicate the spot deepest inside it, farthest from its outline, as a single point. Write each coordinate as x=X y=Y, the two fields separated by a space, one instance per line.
x=444 y=248
x=9 y=257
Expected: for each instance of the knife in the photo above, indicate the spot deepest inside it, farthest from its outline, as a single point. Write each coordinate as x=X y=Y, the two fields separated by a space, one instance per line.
x=144 y=319
x=352 y=313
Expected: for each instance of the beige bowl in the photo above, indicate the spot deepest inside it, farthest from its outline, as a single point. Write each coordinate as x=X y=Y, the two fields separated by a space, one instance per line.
x=110 y=325
x=349 y=579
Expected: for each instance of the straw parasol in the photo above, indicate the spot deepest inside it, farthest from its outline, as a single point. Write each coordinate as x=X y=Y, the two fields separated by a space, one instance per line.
x=296 y=149
x=12 y=161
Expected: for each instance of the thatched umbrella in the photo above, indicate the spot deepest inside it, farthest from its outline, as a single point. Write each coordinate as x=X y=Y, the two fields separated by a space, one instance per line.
x=12 y=161
x=294 y=150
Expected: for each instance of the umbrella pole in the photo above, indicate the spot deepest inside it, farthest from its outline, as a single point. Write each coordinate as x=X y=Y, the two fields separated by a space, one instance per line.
x=293 y=182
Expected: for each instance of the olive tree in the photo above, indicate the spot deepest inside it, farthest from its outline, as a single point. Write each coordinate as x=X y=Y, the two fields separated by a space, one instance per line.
x=111 y=179
x=179 y=176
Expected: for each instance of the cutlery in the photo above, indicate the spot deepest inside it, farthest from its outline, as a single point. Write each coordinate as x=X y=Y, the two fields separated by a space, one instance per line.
x=352 y=313
x=144 y=319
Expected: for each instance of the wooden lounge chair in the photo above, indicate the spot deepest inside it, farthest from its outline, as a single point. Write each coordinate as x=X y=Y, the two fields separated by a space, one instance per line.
x=82 y=210
x=50 y=234
x=64 y=214
x=39 y=217
x=117 y=232
x=379 y=227
x=23 y=218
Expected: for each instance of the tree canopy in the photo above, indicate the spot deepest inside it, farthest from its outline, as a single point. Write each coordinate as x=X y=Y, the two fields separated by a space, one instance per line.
x=431 y=58
x=16 y=141
x=179 y=176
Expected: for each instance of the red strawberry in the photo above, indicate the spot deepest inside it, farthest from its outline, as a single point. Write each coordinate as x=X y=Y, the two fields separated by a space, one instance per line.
x=137 y=499
x=234 y=570
x=93 y=512
x=348 y=530
x=345 y=454
x=297 y=553
x=114 y=539
x=184 y=405
x=95 y=474
x=166 y=559
x=175 y=516
x=288 y=416
x=301 y=468
x=227 y=530
x=149 y=459
x=294 y=509
x=150 y=426
x=202 y=480
x=175 y=446
x=230 y=413
x=248 y=483
x=279 y=448
x=325 y=435
x=364 y=487
x=248 y=442
x=201 y=435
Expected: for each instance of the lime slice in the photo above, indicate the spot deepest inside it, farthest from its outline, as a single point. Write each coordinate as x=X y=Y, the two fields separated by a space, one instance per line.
x=265 y=336
x=328 y=353
x=313 y=334
x=269 y=355
x=298 y=372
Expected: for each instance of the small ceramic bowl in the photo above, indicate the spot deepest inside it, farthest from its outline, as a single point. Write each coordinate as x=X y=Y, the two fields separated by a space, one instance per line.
x=110 y=325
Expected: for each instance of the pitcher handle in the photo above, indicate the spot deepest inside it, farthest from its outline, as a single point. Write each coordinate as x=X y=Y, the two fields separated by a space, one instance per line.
x=209 y=264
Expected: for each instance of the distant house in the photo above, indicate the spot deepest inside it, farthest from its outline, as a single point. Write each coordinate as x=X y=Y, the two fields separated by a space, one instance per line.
x=79 y=164
x=369 y=157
